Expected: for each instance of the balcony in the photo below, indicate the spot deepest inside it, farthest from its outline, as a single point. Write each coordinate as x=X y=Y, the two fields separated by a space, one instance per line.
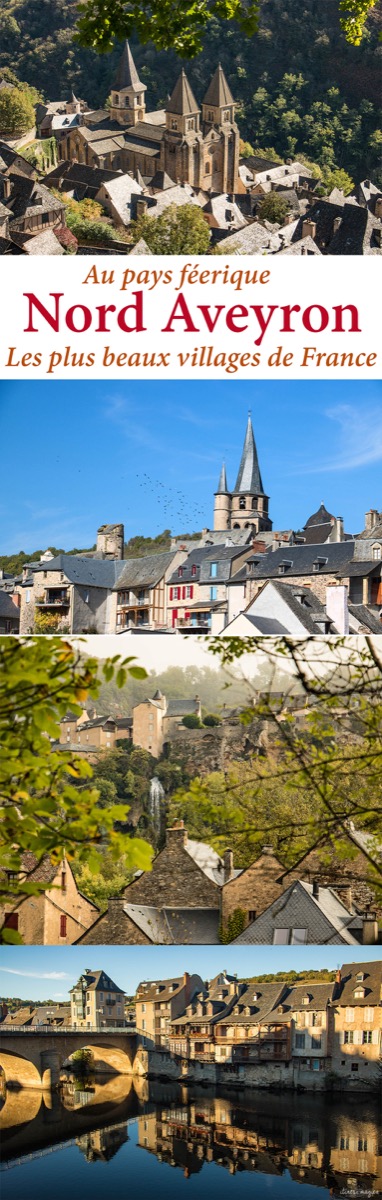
x=53 y=599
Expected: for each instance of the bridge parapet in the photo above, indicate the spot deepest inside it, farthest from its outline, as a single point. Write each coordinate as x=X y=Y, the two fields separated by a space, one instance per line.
x=34 y=1057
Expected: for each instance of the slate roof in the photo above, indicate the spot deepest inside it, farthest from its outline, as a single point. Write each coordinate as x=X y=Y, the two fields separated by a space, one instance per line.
x=249 y=478
x=90 y=572
x=182 y=100
x=320 y=995
x=149 y=990
x=176 y=926
x=374 y=533
x=372 y=984
x=195 y=558
x=302 y=602
x=181 y=708
x=326 y=920
x=338 y=557
x=7 y=607
x=127 y=74
x=140 y=247
x=218 y=94
x=98 y=981
x=321 y=517
x=222 y=488
x=366 y=617
x=144 y=572
x=267 y=997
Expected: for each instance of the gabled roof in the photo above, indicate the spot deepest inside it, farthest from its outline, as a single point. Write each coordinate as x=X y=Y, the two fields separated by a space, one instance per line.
x=98 y=981
x=218 y=93
x=127 y=74
x=299 y=560
x=372 y=983
x=91 y=572
x=146 y=571
x=176 y=926
x=249 y=478
x=324 y=918
x=182 y=100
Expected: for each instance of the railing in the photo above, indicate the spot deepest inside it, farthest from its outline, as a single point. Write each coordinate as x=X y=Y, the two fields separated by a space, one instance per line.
x=58 y=602
x=65 y=1029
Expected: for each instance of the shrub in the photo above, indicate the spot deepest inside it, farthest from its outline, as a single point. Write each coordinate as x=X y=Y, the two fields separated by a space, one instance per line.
x=211 y=719
x=192 y=721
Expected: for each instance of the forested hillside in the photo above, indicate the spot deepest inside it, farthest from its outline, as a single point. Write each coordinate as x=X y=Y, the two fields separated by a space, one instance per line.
x=301 y=88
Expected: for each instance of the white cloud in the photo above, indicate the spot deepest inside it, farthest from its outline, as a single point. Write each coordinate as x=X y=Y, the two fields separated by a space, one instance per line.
x=359 y=438
x=37 y=974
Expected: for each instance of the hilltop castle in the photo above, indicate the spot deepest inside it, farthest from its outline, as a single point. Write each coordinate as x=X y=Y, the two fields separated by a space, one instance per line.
x=189 y=143
x=247 y=506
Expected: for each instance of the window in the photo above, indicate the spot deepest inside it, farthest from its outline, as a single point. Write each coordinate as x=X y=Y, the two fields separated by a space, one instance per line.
x=226 y=115
x=63 y=880
x=242 y=502
x=359 y=993
x=27 y=596
x=208 y=168
x=316 y=1043
x=143 y=1024
x=299 y=937
x=367 y=1037
x=174 y=124
x=213 y=570
x=300 y=1041
x=210 y=116
x=191 y=123
x=11 y=921
x=189 y=592
x=213 y=593
x=193 y=569
x=344 y=1143
x=62 y=926
x=368 y=1015
x=362 y=1143
x=180 y=572
x=252 y=917
x=354 y=1066
x=143 y=1008
x=349 y=1015
x=281 y=937
x=376 y=552
x=348 y=1037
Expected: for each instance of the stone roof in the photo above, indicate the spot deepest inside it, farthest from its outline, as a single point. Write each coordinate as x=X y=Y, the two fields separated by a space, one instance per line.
x=323 y=919
x=366 y=616
x=218 y=93
x=320 y=995
x=372 y=983
x=181 y=708
x=167 y=988
x=8 y=608
x=302 y=602
x=98 y=981
x=140 y=247
x=146 y=571
x=42 y=243
x=321 y=517
x=127 y=74
x=249 y=478
x=222 y=488
x=261 y=998
x=207 y=859
x=175 y=926
x=299 y=560
x=182 y=100
x=91 y=572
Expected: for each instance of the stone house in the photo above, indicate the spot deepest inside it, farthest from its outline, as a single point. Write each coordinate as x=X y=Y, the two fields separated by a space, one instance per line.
x=91 y=735
x=55 y=917
x=306 y=913
x=55 y=1015
x=142 y=590
x=307 y=1006
x=356 y=1042
x=9 y=613
x=156 y=719
x=96 y=1002
x=193 y=144
x=281 y=608
x=193 y=1031
x=255 y=1029
x=158 y=1003
x=322 y=565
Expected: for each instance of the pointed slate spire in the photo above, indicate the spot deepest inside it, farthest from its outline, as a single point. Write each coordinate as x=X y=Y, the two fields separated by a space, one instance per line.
x=127 y=74
x=218 y=94
x=182 y=100
x=222 y=489
x=249 y=479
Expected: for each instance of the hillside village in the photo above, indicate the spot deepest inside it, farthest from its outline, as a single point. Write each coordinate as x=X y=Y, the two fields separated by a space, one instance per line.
x=241 y=577
x=113 y=180
x=307 y=1035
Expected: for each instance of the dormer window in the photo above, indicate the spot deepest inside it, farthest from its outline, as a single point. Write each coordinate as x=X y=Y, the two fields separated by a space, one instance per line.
x=180 y=572
x=284 y=566
x=193 y=569
x=319 y=563
x=210 y=116
x=213 y=570
x=359 y=993
x=359 y=977
x=116 y=99
x=376 y=552
x=174 y=124
x=305 y=999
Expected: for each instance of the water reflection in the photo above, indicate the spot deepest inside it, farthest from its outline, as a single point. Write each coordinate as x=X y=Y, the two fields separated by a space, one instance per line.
x=307 y=1146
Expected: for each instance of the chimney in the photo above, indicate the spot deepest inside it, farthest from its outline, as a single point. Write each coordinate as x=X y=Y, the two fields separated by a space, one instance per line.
x=309 y=228
x=316 y=889
x=371 y=519
x=378 y=207
x=228 y=865
x=338 y=976
x=336 y=223
x=177 y=835
x=141 y=206
x=186 y=981
x=336 y=606
x=369 y=930
x=339 y=529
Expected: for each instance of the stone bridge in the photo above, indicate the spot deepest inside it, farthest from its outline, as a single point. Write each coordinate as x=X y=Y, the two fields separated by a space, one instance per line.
x=34 y=1057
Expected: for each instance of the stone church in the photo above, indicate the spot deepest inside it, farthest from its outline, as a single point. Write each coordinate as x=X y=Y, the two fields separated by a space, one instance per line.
x=246 y=507
x=193 y=144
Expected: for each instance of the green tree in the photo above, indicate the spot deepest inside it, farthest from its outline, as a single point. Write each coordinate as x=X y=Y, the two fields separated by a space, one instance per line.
x=96 y=232
x=40 y=680
x=16 y=112
x=169 y=24
x=338 y=179
x=273 y=208
x=181 y=230
x=191 y=721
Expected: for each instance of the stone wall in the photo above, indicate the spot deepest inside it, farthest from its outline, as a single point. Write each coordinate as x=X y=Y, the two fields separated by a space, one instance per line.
x=174 y=879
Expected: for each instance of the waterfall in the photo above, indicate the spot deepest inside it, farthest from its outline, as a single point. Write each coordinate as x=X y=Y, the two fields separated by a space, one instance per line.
x=156 y=797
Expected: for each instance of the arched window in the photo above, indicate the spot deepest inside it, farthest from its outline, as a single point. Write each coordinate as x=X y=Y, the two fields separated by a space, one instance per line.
x=208 y=168
x=254 y=501
x=242 y=502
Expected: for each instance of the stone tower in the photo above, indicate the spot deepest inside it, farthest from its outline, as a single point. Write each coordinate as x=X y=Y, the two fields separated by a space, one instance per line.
x=110 y=541
x=221 y=137
x=128 y=93
x=182 y=138
x=222 y=506
x=247 y=506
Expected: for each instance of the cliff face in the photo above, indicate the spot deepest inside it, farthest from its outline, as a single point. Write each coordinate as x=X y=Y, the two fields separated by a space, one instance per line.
x=201 y=751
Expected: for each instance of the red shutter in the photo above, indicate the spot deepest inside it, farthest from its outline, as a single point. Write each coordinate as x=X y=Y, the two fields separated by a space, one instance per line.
x=11 y=921
x=183 y=593
x=62 y=926
x=171 y=593
x=191 y=592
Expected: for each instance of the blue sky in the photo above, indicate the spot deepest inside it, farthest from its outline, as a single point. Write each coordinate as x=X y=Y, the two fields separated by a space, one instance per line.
x=75 y=455
x=34 y=972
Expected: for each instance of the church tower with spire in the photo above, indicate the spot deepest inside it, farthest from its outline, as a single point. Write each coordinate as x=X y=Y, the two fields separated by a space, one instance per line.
x=247 y=506
x=128 y=93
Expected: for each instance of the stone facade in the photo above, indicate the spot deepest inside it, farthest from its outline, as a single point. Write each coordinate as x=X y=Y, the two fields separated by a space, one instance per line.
x=96 y=1002
x=56 y=917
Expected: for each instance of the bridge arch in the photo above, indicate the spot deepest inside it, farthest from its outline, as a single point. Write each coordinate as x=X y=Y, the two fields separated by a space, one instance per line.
x=19 y=1072
x=111 y=1059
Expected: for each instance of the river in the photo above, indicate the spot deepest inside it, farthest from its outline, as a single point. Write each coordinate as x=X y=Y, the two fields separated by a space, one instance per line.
x=132 y=1138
